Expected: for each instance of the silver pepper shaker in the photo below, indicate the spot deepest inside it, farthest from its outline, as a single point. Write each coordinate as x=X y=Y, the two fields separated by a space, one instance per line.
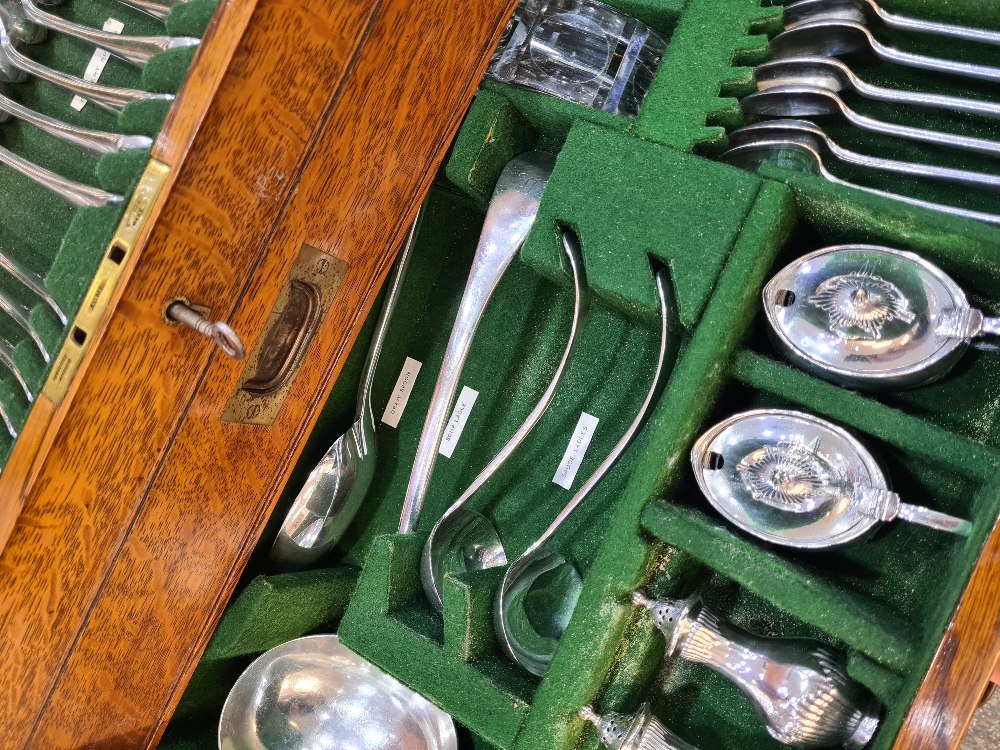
x=799 y=687
x=640 y=731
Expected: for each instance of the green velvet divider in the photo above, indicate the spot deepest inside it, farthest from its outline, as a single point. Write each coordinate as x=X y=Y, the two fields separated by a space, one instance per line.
x=40 y=231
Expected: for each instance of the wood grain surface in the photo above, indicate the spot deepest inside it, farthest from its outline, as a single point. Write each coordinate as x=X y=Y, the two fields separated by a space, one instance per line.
x=327 y=129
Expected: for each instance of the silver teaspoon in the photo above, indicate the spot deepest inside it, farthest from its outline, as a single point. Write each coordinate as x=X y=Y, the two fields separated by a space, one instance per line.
x=531 y=624
x=833 y=37
x=800 y=158
x=834 y=75
x=812 y=136
x=798 y=100
x=464 y=540
x=872 y=317
x=867 y=11
x=336 y=487
x=796 y=480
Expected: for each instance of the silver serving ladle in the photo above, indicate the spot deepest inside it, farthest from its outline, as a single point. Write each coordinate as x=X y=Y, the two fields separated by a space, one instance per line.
x=158 y=9
x=96 y=142
x=866 y=11
x=510 y=216
x=638 y=731
x=528 y=634
x=334 y=490
x=74 y=193
x=813 y=136
x=800 y=158
x=15 y=67
x=872 y=317
x=796 y=480
x=834 y=75
x=137 y=50
x=798 y=100
x=463 y=540
x=834 y=37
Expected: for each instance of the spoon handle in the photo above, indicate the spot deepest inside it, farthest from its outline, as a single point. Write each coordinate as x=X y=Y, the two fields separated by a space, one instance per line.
x=921 y=135
x=137 y=50
x=75 y=193
x=934 y=519
x=158 y=10
x=7 y=359
x=937 y=64
x=944 y=174
x=668 y=351
x=20 y=314
x=908 y=23
x=923 y=99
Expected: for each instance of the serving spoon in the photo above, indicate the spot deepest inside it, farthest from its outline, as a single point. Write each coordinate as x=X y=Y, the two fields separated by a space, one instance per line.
x=834 y=75
x=812 y=136
x=463 y=540
x=15 y=67
x=801 y=158
x=137 y=50
x=511 y=214
x=335 y=488
x=864 y=11
x=834 y=37
x=528 y=635
x=800 y=100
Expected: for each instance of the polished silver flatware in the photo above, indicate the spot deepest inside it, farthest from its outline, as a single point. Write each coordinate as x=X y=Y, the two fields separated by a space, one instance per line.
x=21 y=30
x=463 y=540
x=872 y=317
x=800 y=158
x=813 y=136
x=21 y=315
x=834 y=75
x=638 y=731
x=313 y=693
x=867 y=11
x=798 y=100
x=7 y=359
x=137 y=50
x=8 y=423
x=96 y=142
x=529 y=623
x=834 y=37
x=510 y=216
x=800 y=688
x=33 y=282
x=336 y=487
x=15 y=67
x=74 y=193
x=796 y=480
x=158 y=9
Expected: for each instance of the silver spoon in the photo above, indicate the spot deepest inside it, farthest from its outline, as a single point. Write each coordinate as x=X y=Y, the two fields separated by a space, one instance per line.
x=801 y=158
x=158 y=9
x=96 y=142
x=21 y=315
x=810 y=101
x=7 y=422
x=137 y=50
x=638 y=731
x=867 y=10
x=834 y=75
x=510 y=216
x=812 y=135
x=34 y=282
x=832 y=38
x=75 y=193
x=796 y=480
x=7 y=358
x=463 y=540
x=526 y=642
x=336 y=487
x=15 y=67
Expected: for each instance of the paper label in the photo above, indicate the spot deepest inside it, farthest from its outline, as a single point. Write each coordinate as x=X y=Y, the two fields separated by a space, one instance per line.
x=97 y=62
x=401 y=392
x=459 y=416
x=578 y=444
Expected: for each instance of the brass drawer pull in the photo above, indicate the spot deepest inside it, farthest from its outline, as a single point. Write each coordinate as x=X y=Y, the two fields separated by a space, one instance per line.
x=179 y=311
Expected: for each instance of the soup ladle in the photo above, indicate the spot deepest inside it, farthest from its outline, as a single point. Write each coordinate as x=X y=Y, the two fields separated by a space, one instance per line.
x=137 y=50
x=812 y=136
x=463 y=540
x=832 y=38
x=15 y=67
x=834 y=75
x=811 y=101
x=336 y=487
x=509 y=218
x=866 y=11
x=529 y=623
x=74 y=193
x=801 y=158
